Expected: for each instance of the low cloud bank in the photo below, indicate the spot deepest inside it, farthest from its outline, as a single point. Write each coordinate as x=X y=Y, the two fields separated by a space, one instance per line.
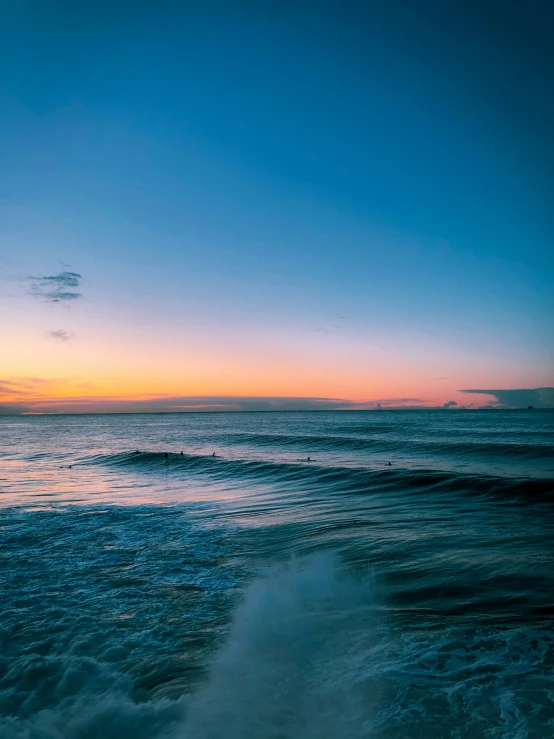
x=539 y=397
x=181 y=404
x=191 y=404
x=13 y=409
x=26 y=396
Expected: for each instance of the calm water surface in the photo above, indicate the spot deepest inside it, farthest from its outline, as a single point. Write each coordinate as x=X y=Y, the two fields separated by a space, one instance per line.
x=259 y=595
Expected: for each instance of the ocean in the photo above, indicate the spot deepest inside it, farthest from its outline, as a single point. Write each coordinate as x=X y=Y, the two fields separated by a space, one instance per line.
x=294 y=586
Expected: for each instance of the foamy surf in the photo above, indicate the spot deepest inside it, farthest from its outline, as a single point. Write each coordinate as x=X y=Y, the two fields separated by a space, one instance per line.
x=309 y=654
x=189 y=597
x=298 y=660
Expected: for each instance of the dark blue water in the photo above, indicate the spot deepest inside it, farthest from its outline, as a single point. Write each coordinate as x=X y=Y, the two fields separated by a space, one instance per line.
x=259 y=595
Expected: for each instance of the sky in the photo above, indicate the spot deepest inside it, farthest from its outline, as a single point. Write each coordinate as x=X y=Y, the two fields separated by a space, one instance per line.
x=276 y=205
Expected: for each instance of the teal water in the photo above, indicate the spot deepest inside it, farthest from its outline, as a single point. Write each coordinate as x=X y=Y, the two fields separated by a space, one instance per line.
x=257 y=594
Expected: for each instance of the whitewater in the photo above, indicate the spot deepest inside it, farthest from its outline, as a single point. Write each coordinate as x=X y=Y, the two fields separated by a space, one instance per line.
x=293 y=586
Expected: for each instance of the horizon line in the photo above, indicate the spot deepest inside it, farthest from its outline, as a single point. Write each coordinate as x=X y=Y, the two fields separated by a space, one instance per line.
x=267 y=410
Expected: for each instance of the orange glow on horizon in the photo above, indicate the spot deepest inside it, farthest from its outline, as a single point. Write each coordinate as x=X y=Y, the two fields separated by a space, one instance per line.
x=108 y=368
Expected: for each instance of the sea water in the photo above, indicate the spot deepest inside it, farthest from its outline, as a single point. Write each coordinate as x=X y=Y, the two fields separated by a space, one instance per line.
x=293 y=586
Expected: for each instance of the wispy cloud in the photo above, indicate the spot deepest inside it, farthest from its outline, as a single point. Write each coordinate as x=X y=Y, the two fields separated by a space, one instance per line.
x=539 y=397
x=19 y=395
x=56 y=288
x=15 y=388
x=60 y=335
x=24 y=386
x=11 y=391
x=391 y=403
x=7 y=388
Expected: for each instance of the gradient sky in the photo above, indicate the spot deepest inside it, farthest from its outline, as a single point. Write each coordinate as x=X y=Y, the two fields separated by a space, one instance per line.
x=346 y=201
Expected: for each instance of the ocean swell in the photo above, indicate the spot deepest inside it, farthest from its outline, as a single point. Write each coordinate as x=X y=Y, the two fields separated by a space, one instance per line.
x=353 y=480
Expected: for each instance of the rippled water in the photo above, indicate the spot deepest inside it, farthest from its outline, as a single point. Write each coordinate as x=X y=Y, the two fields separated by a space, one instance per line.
x=256 y=594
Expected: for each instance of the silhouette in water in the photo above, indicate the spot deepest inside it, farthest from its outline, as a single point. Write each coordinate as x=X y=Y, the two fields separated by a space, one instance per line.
x=308 y=460
x=181 y=454
x=213 y=455
x=389 y=464
x=166 y=455
x=137 y=451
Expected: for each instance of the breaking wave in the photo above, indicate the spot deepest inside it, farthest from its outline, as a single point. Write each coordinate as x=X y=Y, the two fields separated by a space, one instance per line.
x=350 y=479
x=308 y=654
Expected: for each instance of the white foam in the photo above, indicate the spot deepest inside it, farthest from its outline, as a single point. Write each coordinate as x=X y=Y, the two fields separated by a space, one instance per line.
x=308 y=656
x=296 y=661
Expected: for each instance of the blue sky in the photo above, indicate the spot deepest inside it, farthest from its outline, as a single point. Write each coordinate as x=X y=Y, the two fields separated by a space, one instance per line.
x=244 y=179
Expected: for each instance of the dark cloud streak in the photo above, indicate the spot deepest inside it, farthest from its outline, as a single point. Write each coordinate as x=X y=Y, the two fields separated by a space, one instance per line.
x=56 y=288
x=61 y=335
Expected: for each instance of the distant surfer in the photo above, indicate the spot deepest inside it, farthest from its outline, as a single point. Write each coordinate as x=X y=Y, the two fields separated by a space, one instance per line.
x=69 y=466
x=181 y=454
x=389 y=464
x=308 y=460
x=137 y=451
x=213 y=455
x=166 y=455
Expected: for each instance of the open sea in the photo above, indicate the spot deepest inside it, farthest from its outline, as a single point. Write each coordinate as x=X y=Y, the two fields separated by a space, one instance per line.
x=294 y=586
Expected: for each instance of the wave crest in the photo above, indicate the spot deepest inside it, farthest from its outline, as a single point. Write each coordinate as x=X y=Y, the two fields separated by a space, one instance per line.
x=297 y=659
